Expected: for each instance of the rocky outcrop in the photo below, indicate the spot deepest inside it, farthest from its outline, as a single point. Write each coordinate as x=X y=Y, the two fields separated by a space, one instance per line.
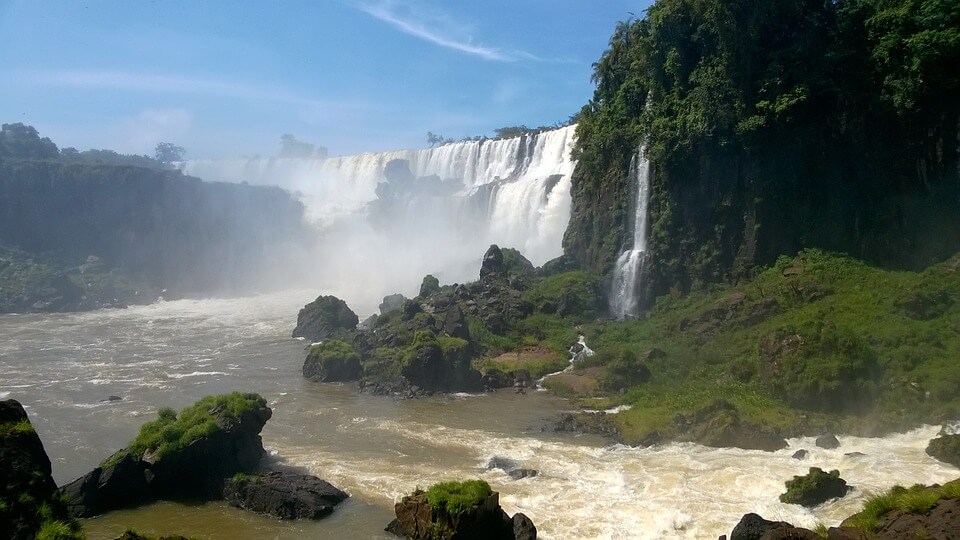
x=511 y=467
x=754 y=527
x=26 y=483
x=327 y=317
x=391 y=302
x=283 y=495
x=814 y=488
x=418 y=520
x=720 y=426
x=945 y=448
x=228 y=442
x=332 y=361
x=941 y=521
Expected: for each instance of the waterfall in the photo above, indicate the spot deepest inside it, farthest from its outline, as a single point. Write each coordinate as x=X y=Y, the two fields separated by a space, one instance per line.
x=463 y=197
x=628 y=272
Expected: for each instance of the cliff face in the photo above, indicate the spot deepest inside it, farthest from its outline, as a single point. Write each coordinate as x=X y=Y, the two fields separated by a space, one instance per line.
x=772 y=127
x=166 y=229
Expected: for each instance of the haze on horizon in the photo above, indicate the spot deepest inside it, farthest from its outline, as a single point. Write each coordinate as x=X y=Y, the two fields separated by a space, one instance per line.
x=351 y=75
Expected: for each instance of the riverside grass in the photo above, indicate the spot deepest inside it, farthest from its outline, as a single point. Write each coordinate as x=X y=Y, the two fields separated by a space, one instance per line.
x=876 y=348
x=456 y=497
x=917 y=499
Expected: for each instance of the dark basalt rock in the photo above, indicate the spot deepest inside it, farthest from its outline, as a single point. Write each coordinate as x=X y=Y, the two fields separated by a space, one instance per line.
x=25 y=479
x=754 y=527
x=429 y=286
x=487 y=521
x=134 y=535
x=518 y=474
x=332 y=361
x=592 y=423
x=325 y=318
x=828 y=441
x=193 y=472
x=800 y=454
x=492 y=265
x=814 y=488
x=945 y=448
x=283 y=495
x=503 y=463
x=391 y=303
x=454 y=323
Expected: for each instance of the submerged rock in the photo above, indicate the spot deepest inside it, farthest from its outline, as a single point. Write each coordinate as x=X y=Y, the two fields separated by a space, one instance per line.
x=283 y=495
x=828 y=441
x=800 y=454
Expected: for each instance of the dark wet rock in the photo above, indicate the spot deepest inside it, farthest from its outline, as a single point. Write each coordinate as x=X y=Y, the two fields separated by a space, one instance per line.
x=454 y=323
x=814 y=488
x=111 y=398
x=134 y=535
x=429 y=286
x=828 y=441
x=518 y=474
x=417 y=520
x=332 y=361
x=559 y=265
x=592 y=423
x=945 y=448
x=25 y=475
x=754 y=527
x=854 y=454
x=283 y=495
x=194 y=471
x=391 y=303
x=327 y=317
x=800 y=454
x=941 y=521
x=495 y=378
x=503 y=463
x=719 y=425
x=492 y=264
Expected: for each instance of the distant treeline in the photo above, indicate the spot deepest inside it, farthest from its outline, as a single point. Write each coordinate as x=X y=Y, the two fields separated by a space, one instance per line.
x=20 y=141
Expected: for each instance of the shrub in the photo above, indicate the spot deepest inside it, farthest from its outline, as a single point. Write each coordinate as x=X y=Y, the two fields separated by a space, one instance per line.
x=456 y=497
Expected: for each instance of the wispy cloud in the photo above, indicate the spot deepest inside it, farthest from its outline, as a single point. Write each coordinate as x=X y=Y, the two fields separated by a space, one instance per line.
x=146 y=82
x=412 y=20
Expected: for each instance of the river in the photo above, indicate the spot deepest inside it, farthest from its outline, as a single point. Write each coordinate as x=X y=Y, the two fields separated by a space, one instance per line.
x=60 y=366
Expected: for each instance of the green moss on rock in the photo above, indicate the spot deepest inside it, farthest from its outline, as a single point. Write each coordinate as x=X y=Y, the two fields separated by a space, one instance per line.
x=814 y=488
x=457 y=497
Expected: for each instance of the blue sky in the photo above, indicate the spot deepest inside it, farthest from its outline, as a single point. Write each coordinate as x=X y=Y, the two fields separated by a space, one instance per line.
x=227 y=78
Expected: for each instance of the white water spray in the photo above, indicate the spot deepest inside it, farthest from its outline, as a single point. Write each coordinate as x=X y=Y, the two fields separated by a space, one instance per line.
x=510 y=192
x=628 y=272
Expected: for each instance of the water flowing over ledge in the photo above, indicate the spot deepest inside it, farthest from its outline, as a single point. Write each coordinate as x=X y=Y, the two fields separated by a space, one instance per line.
x=628 y=272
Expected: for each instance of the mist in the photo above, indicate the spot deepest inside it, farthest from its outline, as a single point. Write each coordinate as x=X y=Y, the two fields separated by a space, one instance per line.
x=376 y=223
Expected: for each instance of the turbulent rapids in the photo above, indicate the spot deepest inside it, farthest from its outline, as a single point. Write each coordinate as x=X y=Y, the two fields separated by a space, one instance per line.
x=172 y=353
x=511 y=192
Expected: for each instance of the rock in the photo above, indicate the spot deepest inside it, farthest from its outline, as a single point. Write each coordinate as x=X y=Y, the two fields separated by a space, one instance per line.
x=283 y=495
x=719 y=425
x=800 y=454
x=518 y=474
x=332 y=361
x=442 y=369
x=193 y=469
x=502 y=463
x=111 y=398
x=492 y=264
x=369 y=323
x=828 y=441
x=814 y=488
x=417 y=520
x=593 y=423
x=854 y=454
x=429 y=286
x=754 y=527
x=495 y=378
x=523 y=527
x=134 y=535
x=941 y=521
x=25 y=476
x=945 y=448
x=325 y=318
x=454 y=323
x=652 y=354
x=391 y=303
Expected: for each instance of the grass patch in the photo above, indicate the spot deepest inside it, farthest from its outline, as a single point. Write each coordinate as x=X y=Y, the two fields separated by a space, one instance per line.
x=20 y=427
x=171 y=431
x=456 y=497
x=918 y=499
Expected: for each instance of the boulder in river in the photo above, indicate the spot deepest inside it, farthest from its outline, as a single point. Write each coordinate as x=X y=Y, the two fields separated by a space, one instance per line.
x=828 y=441
x=326 y=317
x=719 y=425
x=458 y=510
x=814 y=488
x=754 y=527
x=332 y=361
x=945 y=448
x=178 y=456
x=283 y=495
x=800 y=454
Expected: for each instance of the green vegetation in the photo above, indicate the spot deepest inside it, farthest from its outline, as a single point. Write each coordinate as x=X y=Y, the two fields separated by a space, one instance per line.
x=814 y=487
x=918 y=499
x=815 y=341
x=456 y=497
x=772 y=127
x=171 y=431
x=9 y=429
x=569 y=293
